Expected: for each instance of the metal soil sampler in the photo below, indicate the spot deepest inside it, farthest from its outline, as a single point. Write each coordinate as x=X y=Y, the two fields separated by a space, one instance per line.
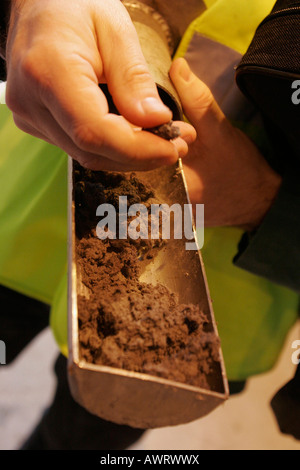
x=131 y=398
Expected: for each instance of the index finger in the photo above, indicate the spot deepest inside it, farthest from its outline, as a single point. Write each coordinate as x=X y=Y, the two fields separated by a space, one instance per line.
x=80 y=108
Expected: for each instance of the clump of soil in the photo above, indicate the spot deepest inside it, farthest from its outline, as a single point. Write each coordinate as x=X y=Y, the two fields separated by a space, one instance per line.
x=167 y=131
x=125 y=323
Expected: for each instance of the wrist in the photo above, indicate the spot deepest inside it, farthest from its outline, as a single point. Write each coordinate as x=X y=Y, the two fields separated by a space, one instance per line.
x=263 y=187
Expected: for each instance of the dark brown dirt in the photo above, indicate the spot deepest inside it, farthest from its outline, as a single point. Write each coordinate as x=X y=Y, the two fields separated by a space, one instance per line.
x=167 y=131
x=125 y=323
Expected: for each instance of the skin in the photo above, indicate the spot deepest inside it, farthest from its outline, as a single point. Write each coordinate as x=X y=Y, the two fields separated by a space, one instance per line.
x=58 y=52
x=225 y=171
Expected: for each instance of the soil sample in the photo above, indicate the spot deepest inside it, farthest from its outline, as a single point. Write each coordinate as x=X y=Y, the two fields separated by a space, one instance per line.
x=167 y=131
x=125 y=323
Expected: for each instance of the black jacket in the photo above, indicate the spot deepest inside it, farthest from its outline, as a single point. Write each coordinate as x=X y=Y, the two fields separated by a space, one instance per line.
x=269 y=74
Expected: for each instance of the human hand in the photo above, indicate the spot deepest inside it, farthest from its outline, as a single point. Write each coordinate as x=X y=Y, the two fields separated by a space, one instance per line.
x=57 y=54
x=225 y=171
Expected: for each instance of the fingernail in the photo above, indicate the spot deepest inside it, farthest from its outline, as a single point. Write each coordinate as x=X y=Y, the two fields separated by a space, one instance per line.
x=153 y=105
x=185 y=71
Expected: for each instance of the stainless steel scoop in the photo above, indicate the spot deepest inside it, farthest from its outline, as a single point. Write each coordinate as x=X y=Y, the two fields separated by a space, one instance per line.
x=131 y=398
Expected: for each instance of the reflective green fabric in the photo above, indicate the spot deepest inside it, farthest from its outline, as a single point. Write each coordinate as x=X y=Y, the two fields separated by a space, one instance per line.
x=253 y=315
x=230 y=22
x=33 y=205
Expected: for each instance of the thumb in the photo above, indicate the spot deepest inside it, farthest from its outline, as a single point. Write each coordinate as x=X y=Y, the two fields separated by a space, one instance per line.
x=128 y=78
x=197 y=101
